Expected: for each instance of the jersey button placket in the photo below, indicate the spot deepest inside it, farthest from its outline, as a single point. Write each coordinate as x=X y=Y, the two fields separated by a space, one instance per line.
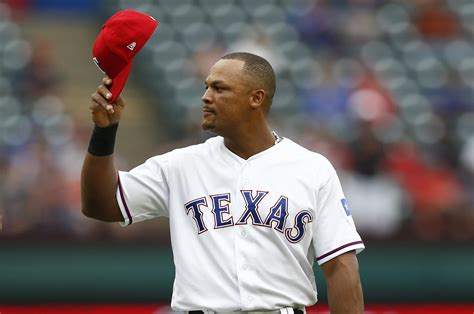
x=243 y=247
x=243 y=243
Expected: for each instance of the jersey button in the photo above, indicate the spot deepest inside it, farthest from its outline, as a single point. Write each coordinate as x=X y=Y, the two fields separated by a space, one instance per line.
x=243 y=234
x=245 y=266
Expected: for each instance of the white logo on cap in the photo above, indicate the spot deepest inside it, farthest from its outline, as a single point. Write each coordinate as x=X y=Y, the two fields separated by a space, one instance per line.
x=132 y=46
x=97 y=64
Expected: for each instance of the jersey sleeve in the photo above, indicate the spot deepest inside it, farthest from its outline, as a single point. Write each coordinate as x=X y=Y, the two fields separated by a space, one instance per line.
x=335 y=232
x=143 y=192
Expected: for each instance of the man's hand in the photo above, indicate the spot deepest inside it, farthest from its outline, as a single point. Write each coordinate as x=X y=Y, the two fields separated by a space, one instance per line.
x=103 y=113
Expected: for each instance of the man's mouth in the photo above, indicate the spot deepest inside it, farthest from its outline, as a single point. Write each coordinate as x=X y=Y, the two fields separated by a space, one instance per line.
x=207 y=111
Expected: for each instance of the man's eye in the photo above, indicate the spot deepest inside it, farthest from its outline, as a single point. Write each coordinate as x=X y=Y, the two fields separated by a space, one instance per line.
x=218 y=89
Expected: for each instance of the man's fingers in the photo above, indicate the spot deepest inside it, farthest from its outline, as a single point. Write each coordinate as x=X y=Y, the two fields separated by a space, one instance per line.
x=94 y=107
x=104 y=91
x=106 y=80
x=102 y=96
x=101 y=101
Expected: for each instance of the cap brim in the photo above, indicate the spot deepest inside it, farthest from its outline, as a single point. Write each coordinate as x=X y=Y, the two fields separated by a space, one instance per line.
x=118 y=82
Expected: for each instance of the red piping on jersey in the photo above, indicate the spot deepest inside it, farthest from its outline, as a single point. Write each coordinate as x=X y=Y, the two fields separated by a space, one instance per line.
x=123 y=199
x=337 y=249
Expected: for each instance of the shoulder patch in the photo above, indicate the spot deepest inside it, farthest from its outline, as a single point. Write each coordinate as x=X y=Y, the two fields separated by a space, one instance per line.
x=346 y=208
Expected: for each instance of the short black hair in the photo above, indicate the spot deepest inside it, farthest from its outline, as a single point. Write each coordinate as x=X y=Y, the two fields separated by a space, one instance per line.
x=259 y=68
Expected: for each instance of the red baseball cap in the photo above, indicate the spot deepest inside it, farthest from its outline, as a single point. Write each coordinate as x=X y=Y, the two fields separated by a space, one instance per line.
x=121 y=38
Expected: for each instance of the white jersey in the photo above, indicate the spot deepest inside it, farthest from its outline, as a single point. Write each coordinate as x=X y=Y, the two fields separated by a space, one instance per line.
x=244 y=233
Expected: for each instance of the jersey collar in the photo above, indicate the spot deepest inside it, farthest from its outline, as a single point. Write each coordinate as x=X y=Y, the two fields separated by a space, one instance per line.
x=236 y=158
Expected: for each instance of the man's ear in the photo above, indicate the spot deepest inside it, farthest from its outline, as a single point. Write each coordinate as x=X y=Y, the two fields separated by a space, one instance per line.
x=257 y=98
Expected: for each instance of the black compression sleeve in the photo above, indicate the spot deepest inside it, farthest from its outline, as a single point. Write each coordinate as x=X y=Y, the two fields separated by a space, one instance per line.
x=103 y=141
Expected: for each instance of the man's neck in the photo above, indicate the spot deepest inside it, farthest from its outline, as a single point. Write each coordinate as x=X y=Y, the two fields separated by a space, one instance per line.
x=248 y=144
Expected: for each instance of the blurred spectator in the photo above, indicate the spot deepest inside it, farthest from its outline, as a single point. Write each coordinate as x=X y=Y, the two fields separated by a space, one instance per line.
x=451 y=98
x=377 y=202
x=40 y=77
x=466 y=157
x=256 y=41
x=360 y=25
x=370 y=101
x=435 y=21
x=202 y=60
x=368 y=155
x=3 y=171
x=318 y=23
x=34 y=191
x=434 y=189
x=320 y=140
x=19 y=7
x=328 y=99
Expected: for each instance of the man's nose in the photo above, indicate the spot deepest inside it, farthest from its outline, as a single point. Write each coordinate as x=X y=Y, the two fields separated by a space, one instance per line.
x=206 y=98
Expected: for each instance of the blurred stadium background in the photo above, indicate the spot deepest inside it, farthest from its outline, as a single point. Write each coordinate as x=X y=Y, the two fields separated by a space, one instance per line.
x=384 y=89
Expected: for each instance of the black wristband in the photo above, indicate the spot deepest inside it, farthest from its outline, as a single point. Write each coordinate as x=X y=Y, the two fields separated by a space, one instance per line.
x=103 y=141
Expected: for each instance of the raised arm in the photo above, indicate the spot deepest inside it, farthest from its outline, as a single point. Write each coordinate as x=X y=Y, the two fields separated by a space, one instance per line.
x=99 y=175
x=343 y=283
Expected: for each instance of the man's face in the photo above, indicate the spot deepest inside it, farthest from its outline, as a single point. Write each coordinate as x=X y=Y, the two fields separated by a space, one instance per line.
x=227 y=96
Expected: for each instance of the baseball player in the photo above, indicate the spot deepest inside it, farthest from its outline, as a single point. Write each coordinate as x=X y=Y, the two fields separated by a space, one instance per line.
x=249 y=211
